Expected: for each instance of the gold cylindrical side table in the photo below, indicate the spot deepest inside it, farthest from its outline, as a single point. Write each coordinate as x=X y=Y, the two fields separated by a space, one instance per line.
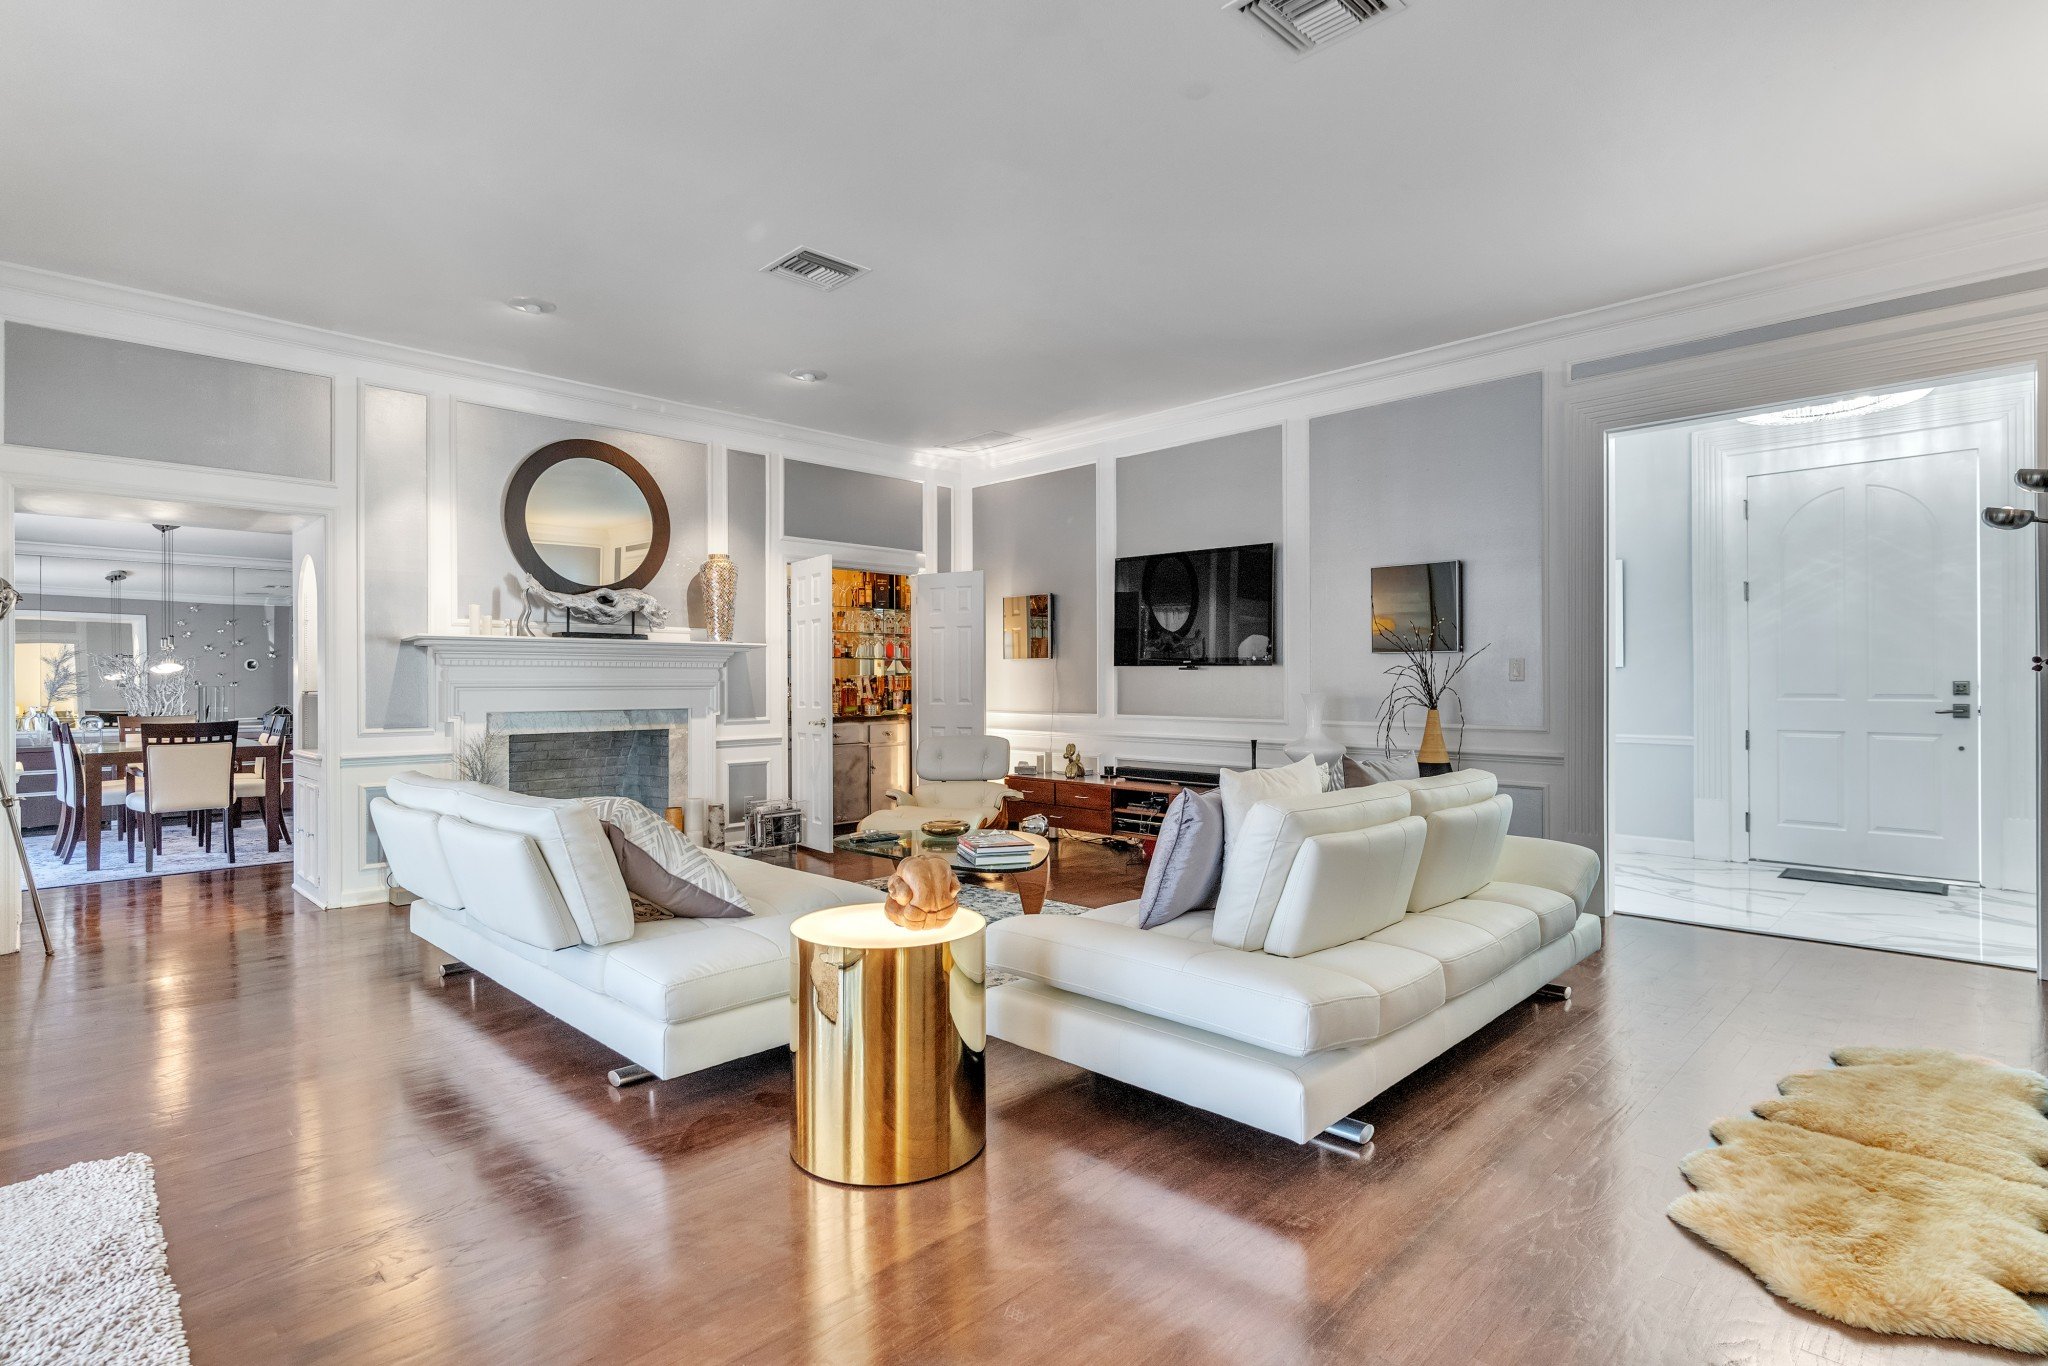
x=889 y=1038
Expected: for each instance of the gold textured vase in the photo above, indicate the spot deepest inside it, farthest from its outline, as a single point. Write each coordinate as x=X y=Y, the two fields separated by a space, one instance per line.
x=889 y=1040
x=721 y=582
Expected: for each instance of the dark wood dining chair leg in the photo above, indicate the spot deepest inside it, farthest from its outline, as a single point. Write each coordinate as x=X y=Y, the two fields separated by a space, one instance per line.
x=227 y=833
x=131 y=838
x=151 y=839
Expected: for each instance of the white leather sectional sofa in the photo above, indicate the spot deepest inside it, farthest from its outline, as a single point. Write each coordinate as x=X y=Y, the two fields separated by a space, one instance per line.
x=526 y=891
x=1356 y=935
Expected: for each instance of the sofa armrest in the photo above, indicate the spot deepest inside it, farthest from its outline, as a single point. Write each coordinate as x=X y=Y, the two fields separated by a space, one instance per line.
x=1569 y=868
x=897 y=795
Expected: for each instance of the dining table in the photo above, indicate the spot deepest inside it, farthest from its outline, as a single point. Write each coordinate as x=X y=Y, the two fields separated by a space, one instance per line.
x=115 y=756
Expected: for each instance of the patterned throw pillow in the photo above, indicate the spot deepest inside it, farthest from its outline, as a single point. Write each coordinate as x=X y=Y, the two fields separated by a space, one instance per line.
x=668 y=847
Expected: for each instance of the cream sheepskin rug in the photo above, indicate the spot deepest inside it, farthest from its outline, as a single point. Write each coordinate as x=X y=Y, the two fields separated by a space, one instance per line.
x=1901 y=1190
x=83 y=1276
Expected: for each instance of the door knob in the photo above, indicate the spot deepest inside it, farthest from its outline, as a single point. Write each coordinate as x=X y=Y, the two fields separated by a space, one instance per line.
x=1960 y=711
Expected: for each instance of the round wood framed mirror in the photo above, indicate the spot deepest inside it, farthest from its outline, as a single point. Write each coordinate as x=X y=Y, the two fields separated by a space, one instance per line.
x=582 y=515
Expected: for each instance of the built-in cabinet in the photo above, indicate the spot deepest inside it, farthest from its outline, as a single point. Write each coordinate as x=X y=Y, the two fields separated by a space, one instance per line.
x=868 y=758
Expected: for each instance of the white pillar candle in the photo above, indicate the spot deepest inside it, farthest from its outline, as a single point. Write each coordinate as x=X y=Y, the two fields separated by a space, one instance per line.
x=476 y=619
x=694 y=812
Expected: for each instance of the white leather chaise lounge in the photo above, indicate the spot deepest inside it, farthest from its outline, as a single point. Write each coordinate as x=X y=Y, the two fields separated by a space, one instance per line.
x=527 y=891
x=1355 y=936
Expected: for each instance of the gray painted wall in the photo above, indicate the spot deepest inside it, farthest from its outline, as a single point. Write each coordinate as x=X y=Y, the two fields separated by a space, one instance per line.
x=1210 y=493
x=1652 y=693
x=1450 y=476
x=396 y=678
x=1037 y=535
x=746 y=511
x=826 y=503
x=66 y=391
x=490 y=443
x=206 y=623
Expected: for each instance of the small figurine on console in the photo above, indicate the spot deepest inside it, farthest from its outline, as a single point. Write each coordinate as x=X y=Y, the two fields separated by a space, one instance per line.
x=923 y=893
x=1073 y=758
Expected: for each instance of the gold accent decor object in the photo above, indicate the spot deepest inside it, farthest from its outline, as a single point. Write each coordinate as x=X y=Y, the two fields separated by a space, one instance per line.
x=889 y=1041
x=721 y=582
x=944 y=827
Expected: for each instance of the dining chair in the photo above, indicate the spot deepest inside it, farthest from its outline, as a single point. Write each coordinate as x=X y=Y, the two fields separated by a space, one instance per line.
x=131 y=726
x=83 y=794
x=187 y=767
x=251 y=777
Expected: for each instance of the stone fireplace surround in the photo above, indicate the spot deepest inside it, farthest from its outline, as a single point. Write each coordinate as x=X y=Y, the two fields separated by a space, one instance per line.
x=499 y=686
x=641 y=753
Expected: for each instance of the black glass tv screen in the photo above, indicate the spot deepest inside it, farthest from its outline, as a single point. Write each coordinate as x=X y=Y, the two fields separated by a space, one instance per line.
x=1197 y=607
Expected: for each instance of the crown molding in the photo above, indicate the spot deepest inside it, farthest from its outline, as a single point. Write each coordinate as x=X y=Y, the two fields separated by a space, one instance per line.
x=1932 y=259
x=45 y=298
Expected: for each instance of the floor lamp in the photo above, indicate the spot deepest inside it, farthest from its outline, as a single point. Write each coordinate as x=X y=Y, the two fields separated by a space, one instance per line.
x=9 y=600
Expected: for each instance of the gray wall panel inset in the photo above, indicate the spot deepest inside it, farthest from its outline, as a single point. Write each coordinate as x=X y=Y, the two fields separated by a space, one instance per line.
x=490 y=443
x=395 y=531
x=71 y=392
x=826 y=503
x=1448 y=476
x=746 y=787
x=746 y=532
x=1211 y=493
x=945 y=550
x=1037 y=535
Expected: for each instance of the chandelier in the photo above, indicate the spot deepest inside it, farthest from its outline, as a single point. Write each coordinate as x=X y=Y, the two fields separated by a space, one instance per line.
x=153 y=682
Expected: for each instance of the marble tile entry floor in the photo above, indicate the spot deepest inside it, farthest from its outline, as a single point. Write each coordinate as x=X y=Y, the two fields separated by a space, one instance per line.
x=1970 y=924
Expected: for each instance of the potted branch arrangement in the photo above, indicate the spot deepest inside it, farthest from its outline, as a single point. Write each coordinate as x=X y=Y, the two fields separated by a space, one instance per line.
x=1424 y=679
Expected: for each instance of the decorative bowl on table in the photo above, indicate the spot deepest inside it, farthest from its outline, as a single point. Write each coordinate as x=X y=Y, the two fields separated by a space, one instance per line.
x=947 y=828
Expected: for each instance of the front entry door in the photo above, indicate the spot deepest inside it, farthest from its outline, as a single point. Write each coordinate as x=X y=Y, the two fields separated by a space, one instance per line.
x=1863 y=622
x=810 y=697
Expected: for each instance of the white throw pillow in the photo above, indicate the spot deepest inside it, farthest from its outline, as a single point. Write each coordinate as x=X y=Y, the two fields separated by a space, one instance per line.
x=1245 y=788
x=668 y=846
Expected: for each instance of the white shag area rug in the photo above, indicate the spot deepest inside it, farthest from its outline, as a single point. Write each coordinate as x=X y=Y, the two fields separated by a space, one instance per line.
x=83 y=1274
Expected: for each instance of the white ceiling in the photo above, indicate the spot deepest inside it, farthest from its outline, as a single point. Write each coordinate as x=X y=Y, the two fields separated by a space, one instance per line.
x=1072 y=209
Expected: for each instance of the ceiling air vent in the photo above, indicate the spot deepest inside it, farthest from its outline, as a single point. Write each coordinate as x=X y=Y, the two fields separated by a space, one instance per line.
x=1306 y=25
x=987 y=441
x=813 y=268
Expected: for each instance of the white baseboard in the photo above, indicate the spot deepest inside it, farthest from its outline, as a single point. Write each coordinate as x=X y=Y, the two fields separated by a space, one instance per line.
x=1650 y=844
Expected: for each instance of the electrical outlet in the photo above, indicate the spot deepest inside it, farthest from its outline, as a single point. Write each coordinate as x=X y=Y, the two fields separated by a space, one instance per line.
x=1518 y=671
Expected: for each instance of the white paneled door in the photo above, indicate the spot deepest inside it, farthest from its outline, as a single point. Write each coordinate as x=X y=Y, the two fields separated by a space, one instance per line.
x=810 y=697
x=1863 y=623
x=948 y=655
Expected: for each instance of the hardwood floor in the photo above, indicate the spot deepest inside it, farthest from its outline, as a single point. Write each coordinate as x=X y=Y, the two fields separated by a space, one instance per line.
x=357 y=1168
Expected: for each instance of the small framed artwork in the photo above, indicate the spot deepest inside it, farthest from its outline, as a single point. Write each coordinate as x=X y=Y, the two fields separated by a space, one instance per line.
x=1418 y=606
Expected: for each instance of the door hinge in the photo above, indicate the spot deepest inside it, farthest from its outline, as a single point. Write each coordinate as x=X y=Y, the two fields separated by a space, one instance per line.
x=1745 y=590
x=1745 y=740
x=1745 y=822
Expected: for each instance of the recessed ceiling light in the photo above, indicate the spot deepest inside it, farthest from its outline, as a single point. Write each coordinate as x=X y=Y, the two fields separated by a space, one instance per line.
x=1841 y=407
x=807 y=376
x=526 y=304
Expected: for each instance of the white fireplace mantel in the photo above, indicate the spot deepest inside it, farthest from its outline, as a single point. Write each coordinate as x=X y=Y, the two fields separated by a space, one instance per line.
x=476 y=676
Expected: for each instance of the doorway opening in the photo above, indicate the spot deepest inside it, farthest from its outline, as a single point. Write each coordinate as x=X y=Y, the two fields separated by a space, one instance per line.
x=1821 y=702
x=142 y=618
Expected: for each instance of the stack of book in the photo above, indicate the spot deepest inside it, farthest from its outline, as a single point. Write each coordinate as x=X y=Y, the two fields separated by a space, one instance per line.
x=992 y=851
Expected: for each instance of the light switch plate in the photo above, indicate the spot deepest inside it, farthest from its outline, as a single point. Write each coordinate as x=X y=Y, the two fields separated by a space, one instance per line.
x=1518 y=671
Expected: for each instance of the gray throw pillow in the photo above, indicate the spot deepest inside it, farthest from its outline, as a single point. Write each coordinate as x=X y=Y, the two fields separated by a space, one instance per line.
x=1187 y=862
x=648 y=881
x=1378 y=768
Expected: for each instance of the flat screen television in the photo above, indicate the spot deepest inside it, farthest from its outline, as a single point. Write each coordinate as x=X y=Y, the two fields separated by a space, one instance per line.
x=1194 y=607
x=1412 y=603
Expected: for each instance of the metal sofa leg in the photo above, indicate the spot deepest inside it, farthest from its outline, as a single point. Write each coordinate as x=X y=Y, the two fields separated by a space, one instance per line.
x=1348 y=1137
x=1553 y=991
x=436 y=963
x=628 y=1074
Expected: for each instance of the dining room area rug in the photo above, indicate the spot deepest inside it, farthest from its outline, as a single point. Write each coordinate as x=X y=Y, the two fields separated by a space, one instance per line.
x=84 y=1274
x=1901 y=1190
x=182 y=854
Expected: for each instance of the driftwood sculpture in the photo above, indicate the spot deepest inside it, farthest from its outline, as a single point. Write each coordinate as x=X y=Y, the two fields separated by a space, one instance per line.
x=923 y=893
x=603 y=606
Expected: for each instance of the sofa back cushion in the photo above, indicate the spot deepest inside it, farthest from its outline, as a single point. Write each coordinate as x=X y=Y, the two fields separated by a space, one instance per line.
x=1244 y=788
x=1346 y=885
x=507 y=885
x=424 y=792
x=1446 y=790
x=412 y=847
x=1460 y=851
x=571 y=842
x=1263 y=849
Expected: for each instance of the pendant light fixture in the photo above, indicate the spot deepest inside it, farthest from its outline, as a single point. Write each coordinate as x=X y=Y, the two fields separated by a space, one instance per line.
x=114 y=668
x=167 y=645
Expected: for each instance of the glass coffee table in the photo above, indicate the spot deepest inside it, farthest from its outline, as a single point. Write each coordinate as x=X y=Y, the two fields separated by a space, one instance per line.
x=1028 y=882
